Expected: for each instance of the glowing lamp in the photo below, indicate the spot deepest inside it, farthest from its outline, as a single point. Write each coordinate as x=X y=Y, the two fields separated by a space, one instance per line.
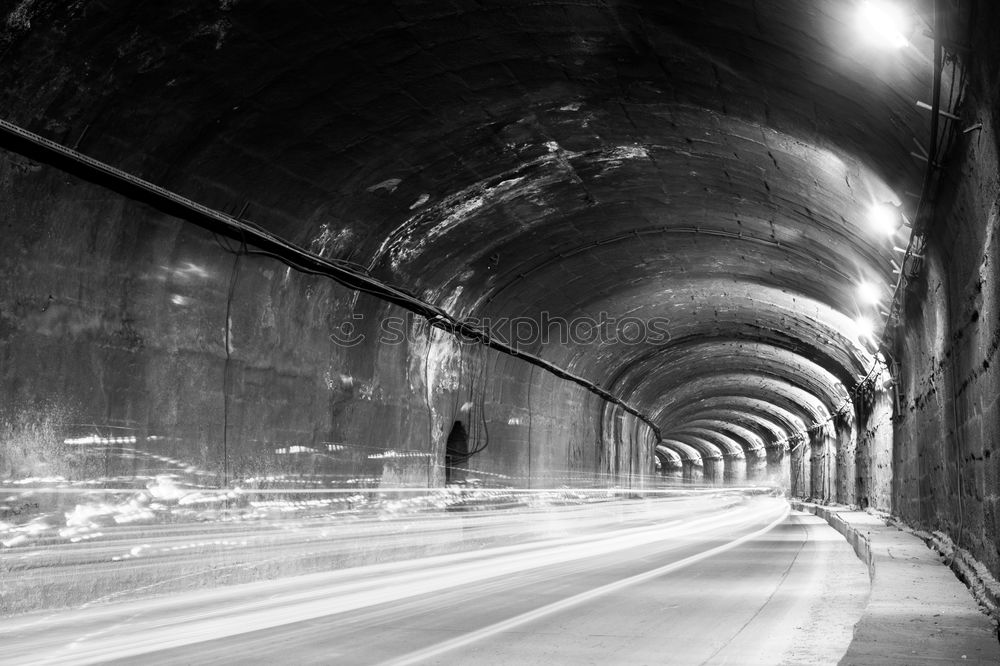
x=885 y=218
x=883 y=24
x=869 y=293
x=865 y=328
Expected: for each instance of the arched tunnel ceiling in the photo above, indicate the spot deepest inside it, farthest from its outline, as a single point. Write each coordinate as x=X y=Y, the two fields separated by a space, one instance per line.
x=685 y=451
x=727 y=446
x=781 y=421
x=767 y=430
x=670 y=456
x=748 y=440
x=684 y=374
x=676 y=405
x=709 y=165
x=706 y=449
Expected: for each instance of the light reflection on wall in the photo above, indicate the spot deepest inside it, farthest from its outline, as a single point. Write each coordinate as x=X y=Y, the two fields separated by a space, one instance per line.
x=94 y=439
x=399 y=454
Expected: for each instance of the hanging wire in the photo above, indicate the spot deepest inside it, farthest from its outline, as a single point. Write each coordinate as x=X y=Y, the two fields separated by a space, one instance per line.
x=233 y=277
x=34 y=146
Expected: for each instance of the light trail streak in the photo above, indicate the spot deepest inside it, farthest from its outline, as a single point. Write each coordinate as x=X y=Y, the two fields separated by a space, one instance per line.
x=389 y=491
x=566 y=604
x=555 y=538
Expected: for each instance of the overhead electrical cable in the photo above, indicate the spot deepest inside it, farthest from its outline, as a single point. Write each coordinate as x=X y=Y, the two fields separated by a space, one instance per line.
x=36 y=147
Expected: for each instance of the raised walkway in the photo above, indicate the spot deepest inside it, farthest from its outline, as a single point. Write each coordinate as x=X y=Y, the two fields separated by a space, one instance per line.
x=918 y=611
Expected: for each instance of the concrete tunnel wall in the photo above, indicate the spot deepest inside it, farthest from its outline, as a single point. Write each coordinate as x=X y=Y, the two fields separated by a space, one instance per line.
x=105 y=327
x=103 y=324
x=944 y=438
x=226 y=361
x=119 y=321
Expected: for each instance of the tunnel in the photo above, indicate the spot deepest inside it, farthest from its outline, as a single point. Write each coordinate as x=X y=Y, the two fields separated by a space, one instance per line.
x=412 y=246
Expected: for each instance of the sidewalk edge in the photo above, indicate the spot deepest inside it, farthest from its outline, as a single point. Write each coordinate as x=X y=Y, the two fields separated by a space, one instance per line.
x=985 y=589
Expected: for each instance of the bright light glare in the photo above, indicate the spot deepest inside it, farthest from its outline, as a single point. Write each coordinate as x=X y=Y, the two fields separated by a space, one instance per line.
x=869 y=293
x=883 y=24
x=865 y=328
x=885 y=218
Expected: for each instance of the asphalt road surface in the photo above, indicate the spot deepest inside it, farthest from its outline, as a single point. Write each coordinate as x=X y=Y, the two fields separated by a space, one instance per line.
x=737 y=581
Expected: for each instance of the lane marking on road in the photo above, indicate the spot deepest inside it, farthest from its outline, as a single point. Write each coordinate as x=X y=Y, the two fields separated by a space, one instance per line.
x=531 y=616
x=188 y=622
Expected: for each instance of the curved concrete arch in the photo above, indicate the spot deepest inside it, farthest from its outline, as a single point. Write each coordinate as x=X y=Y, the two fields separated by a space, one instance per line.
x=729 y=447
x=752 y=443
x=681 y=361
x=709 y=451
x=666 y=452
x=775 y=424
x=734 y=456
x=668 y=463
x=787 y=421
x=767 y=431
x=712 y=456
x=752 y=375
x=692 y=465
x=776 y=391
x=792 y=398
x=826 y=340
x=687 y=452
x=755 y=448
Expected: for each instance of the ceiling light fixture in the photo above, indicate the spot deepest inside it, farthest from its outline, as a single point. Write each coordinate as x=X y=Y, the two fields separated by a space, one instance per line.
x=885 y=218
x=883 y=23
x=865 y=328
x=869 y=293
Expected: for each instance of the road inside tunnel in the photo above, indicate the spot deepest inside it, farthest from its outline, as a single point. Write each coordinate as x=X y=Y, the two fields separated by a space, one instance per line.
x=690 y=577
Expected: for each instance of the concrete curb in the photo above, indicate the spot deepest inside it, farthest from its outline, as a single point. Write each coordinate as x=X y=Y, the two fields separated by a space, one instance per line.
x=860 y=542
x=973 y=574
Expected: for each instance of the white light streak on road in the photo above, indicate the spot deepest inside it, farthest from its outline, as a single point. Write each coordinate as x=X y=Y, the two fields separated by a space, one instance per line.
x=571 y=555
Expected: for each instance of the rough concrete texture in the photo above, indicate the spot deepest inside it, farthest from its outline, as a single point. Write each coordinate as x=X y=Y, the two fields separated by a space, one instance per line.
x=918 y=611
x=984 y=587
x=944 y=458
x=698 y=174
x=653 y=161
x=873 y=455
x=710 y=171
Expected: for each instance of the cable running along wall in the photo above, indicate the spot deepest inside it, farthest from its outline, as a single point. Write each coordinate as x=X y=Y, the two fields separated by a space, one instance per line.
x=35 y=147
